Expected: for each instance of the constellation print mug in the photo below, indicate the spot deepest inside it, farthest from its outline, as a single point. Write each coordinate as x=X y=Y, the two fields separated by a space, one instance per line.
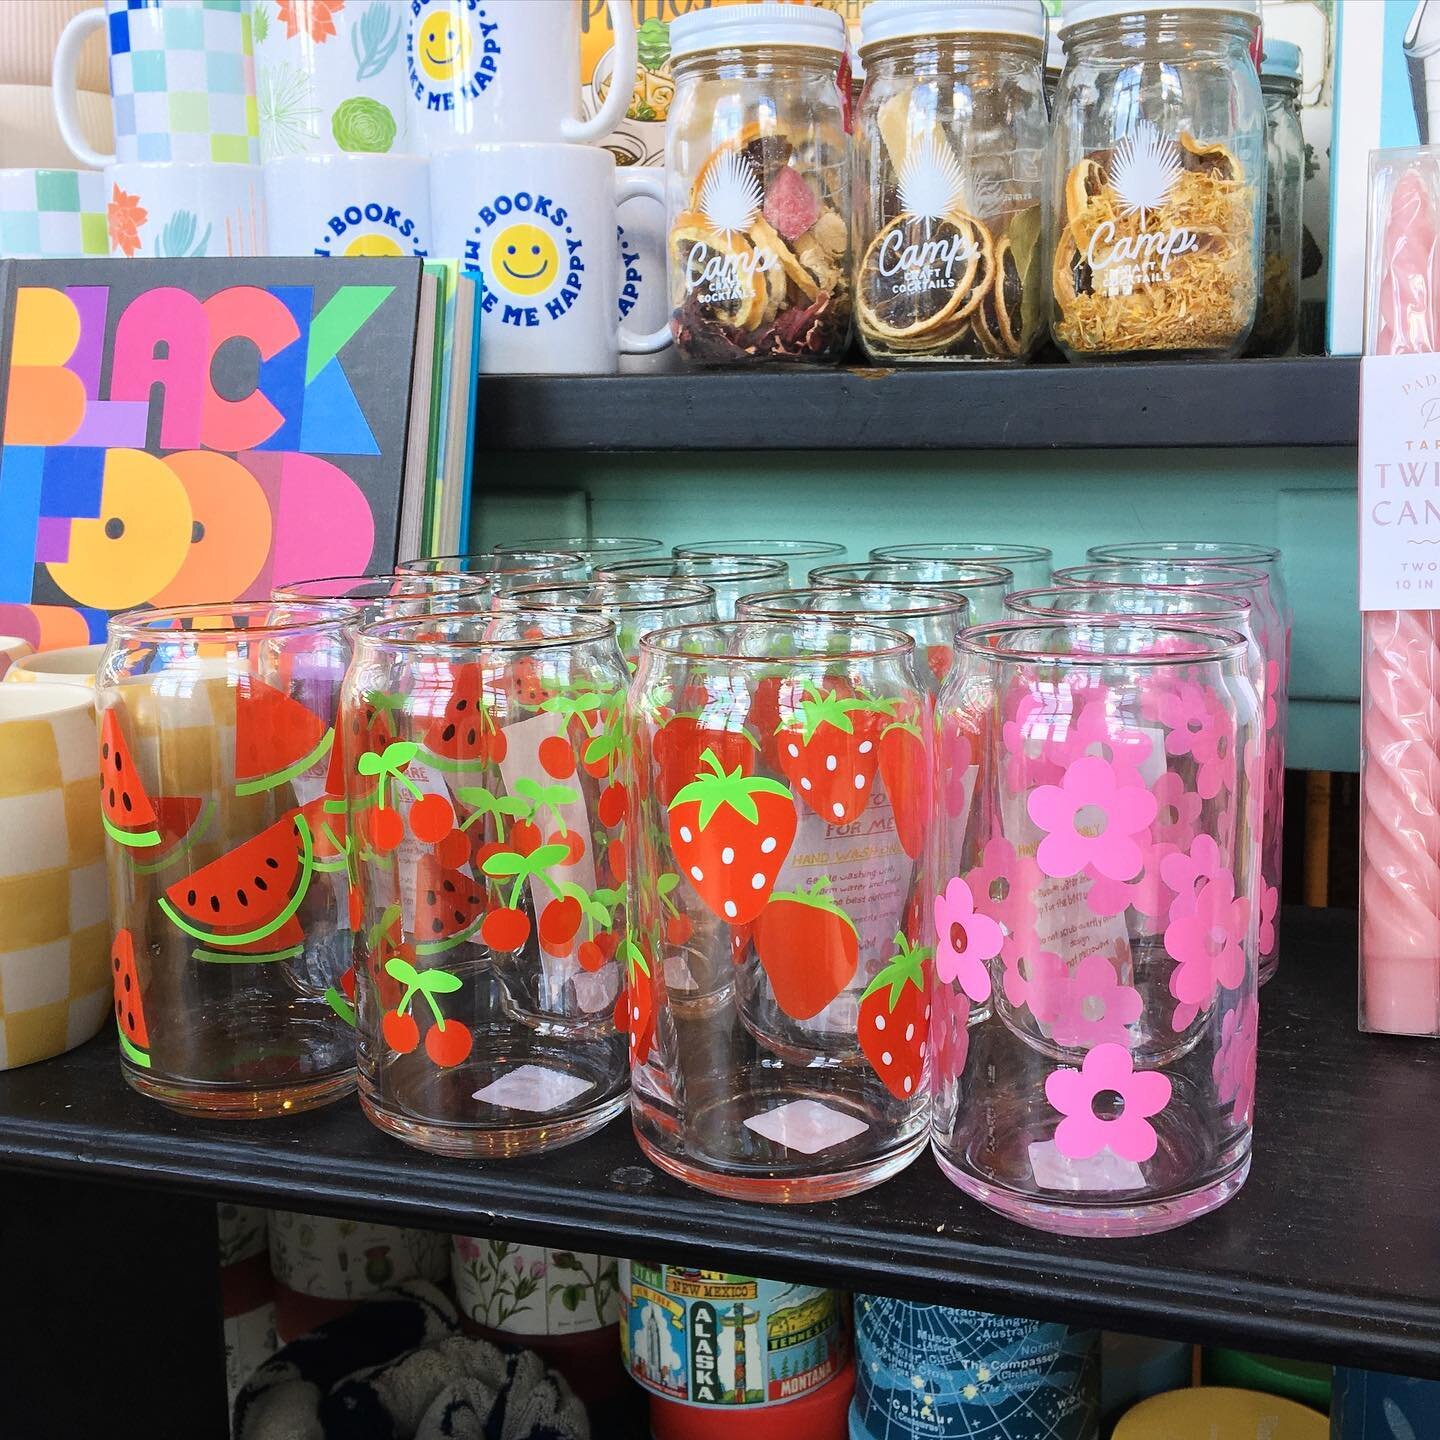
x=778 y=993
x=488 y=70
x=1096 y=924
x=538 y=223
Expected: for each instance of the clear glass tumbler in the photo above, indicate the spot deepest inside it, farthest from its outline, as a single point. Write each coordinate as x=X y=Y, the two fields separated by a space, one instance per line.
x=1029 y=564
x=1107 y=1087
x=222 y=796
x=505 y=570
x=593 y=549
x=795 y=553
x=779 y=987
x=488 y=795
x=388 y=597
x=983 y=586
x=1272 y=631
x=729 y=576
x=635 y=606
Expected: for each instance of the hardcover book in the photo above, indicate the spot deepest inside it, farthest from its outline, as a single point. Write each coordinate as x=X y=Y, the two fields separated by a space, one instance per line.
x=191 y=431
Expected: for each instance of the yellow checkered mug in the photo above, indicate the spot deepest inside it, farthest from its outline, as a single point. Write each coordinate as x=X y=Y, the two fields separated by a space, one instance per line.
x=76 y=665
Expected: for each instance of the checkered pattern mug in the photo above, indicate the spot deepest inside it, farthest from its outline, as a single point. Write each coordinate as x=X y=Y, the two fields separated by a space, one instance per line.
x=52 y=214
x=54 y=939
x=182 y=77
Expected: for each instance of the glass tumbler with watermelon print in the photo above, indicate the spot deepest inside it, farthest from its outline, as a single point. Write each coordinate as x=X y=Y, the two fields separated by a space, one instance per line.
x=388 y=597
x=222 y=795
x=1096 y=911
x=779 y=955
x=487 y=769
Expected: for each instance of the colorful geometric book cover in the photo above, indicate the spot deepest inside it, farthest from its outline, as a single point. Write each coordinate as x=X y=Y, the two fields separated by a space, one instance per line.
x=191 y=431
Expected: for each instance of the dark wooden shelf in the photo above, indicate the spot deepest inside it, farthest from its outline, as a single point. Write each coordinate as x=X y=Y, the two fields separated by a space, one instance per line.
x=1332 y=1249
x=1304 y=401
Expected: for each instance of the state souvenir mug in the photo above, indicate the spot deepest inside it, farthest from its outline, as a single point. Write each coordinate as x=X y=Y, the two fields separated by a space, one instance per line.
x=182 y=77
x=488 y=70
x=537 y=222
x=348 y=205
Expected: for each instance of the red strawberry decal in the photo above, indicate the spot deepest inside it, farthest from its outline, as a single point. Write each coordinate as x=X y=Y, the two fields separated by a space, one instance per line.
x=808 y=947
x=830 y=750
x=635 y=1010
x=905 y=769
x=730 y=833
x=895 y=1017
x=681 y=741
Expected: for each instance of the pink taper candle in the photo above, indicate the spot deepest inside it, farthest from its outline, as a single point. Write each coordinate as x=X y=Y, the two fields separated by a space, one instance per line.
x=1400 y=805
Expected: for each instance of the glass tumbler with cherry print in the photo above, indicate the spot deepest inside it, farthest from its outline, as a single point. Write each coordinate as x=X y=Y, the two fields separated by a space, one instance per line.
x=488 y=789
x=223 y=802
x=1106 y=942
x=635 y=606
x=779 y=989
x=1268 y=618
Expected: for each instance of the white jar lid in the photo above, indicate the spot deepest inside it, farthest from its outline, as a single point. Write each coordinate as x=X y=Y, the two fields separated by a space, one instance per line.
x=1054 y=54
x=1077 y=12
x=1282 y=59
x=771 y=22
x=902 y=19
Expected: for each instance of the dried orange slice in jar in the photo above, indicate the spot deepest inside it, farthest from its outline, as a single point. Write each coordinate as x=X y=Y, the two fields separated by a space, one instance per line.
x=921 y=275
x=721 y=271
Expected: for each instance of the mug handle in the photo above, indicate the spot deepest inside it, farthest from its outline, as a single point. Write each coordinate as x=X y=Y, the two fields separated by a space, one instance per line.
x=622 y=82
x=647 y=181
x=62 y=80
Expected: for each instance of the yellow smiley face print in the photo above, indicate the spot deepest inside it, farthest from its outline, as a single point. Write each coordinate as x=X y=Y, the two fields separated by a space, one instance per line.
x=443 y=44
x=524 y=260
x=373 y=245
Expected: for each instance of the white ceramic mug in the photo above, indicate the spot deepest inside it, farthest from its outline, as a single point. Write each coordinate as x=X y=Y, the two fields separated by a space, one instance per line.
x=181 y=210
x=348 y=205
x=335 y=90
x=182 y=79
x=74 y=665
x=52 y=214
x=538 y=223
x=644 y=299
x=484 y=71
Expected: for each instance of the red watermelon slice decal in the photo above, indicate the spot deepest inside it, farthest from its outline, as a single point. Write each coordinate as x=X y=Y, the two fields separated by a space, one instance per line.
x=125 y=809
x=276 y=737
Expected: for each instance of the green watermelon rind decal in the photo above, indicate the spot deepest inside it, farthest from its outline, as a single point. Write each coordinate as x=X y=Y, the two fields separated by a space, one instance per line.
x=132 y=1052
x=132 y=840
x=196 y=834
x=444 y=762
x=250 y=937
x=213 y=957
x=439 y=947
x=261 y=783
x=340 y=1005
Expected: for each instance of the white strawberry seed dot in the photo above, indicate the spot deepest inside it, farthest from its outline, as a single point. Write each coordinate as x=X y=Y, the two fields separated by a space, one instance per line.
x=685 y=834
x=909 y=1084
x=866 y=747
x=730 y=910
x=727 y=856
x=794 y=749
x=909 y=1032
x=838 y=808
x=879 y=1022
x=696 y=873
x=767 y=844
x=757 y=881
x=830 y=762
x=804 y=783
x=886 y=1058
x=859 y=782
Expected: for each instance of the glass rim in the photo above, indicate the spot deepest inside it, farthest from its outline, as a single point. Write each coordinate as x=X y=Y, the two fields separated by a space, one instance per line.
x=667 y=642
x=994 y=549
x=1219 y=644
x=141 y=624
x=944 y=602
x=1071 y=575
x=1243 y=551
x=395 y=633
x=750 y=549
x=570 y=545
x=1229 y=604
x=746 y=567
x=460 y=583
x=685 y=593
x=431 y=564
x=982 y=576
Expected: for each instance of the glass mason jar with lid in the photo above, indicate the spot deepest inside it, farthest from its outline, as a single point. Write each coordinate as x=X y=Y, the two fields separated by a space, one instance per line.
x=1277 y=325
x=1157 y=178
x=949 y=180
x=759 y=186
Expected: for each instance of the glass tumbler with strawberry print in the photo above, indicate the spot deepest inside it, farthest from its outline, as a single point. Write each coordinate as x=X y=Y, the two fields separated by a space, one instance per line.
x=1096 y=918
x=779 y=959
x=487 y=775
x=222 y=796
x=1268 y=616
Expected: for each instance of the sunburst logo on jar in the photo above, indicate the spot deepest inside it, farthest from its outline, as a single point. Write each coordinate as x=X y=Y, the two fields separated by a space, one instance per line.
x=720 y=264
x=372 y=228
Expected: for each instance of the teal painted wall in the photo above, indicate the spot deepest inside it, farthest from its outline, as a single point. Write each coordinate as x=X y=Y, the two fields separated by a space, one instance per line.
x=1302 y=500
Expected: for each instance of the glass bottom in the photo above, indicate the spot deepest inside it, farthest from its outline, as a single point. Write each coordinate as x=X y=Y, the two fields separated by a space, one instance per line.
x=751 y=1166
x=1100 y=1220
x=1267 y=967
x=240 y=1102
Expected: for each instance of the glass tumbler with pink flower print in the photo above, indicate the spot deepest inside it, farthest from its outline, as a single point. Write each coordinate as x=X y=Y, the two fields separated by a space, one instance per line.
x=779 y=958
x=1107 y=947
x=487 y=779
x=1272 y=631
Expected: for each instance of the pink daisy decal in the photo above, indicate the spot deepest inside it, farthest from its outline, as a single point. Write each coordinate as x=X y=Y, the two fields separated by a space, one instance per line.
x=1200 y=726
x=1097 y=733
x=1092 y=820
x=1207 y=943
x=1086 y=1007
x=1234 y=1067
x=1185 y=870
x=1128 y=1133
x=964 y=941
x=949 y=1033
x=1269 y=908
x=1178 y=811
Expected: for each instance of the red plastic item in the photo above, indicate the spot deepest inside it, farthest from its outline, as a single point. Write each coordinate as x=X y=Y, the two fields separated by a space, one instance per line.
x=820 y=1415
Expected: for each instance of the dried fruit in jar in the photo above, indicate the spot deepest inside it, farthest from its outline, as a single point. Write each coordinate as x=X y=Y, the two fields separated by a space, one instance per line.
x=1157 y=248
x=760 y=255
